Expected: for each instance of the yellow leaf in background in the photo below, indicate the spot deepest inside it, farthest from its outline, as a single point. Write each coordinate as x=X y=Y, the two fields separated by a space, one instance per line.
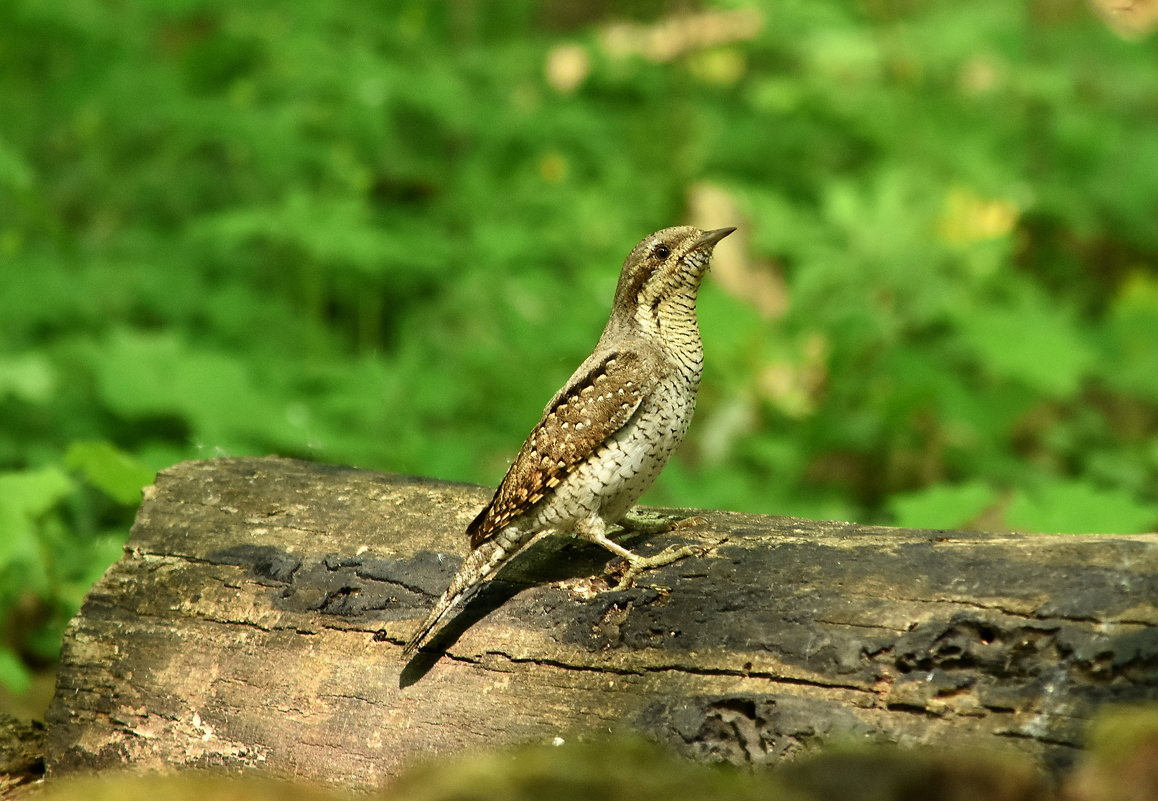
x=1130 y=19
x=1138 y=291
x=723 y=66
x=568 y=65
x=969 y=218
x=680 y=34
x=553 y=167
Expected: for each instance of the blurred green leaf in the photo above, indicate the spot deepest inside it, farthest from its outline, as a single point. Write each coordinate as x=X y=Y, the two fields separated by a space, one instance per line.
x=217 y=394
x=1131 y=345
x=1074 y=507
x=15 y=172
x=943 y=505
x=25 y=496
x=384 y=234
x=13 y=674
x=1035 y=344
x=32 y=493
x=109 y=469
x=19 y=540
x=29 y=376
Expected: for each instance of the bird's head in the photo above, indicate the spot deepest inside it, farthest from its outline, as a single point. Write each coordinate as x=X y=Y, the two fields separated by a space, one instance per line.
x=665 y=265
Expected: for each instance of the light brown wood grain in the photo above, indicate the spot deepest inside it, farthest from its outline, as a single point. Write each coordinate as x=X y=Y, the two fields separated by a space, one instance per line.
x=257 y=616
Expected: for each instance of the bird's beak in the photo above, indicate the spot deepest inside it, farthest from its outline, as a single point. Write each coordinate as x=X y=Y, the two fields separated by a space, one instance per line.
x=708 y=239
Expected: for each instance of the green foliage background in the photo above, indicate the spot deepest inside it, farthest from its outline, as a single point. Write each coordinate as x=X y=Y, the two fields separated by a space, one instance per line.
x=383 y=233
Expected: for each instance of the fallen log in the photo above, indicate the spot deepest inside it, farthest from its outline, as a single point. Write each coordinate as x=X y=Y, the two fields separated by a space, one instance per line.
x=257 y=617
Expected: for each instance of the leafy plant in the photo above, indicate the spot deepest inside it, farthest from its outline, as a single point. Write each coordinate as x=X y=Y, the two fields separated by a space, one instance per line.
x=383 y=234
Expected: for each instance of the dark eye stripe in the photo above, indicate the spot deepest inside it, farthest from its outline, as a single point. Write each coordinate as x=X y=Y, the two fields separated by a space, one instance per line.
x=642 y=275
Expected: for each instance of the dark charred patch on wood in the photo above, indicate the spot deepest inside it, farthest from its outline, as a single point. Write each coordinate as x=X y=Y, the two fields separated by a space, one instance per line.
x=755 y=730
x=264 y=561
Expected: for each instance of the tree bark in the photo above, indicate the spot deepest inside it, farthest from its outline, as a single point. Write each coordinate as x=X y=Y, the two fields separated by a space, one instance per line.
x=258 y=614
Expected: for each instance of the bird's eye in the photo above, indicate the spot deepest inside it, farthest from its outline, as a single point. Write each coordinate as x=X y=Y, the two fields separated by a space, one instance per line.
x=661 y=251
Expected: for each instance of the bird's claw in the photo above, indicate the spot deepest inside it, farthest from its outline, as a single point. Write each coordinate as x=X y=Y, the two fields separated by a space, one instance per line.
x=667 y=556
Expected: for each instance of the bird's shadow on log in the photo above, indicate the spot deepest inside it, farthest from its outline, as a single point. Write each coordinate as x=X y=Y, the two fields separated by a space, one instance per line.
x=546 y=561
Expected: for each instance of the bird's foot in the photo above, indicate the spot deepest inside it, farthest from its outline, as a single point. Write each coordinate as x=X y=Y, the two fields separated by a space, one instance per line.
x=637 y=564
x=667 y=556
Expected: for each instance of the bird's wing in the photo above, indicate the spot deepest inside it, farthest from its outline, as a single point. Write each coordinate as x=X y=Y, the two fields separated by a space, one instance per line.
x=594 y=404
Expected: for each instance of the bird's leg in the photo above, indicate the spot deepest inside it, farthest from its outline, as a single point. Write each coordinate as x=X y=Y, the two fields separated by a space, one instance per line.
x=593 y=529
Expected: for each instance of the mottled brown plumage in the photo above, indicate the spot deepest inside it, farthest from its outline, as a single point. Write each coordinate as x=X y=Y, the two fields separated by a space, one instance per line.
x=571 y=429
x=607 y=433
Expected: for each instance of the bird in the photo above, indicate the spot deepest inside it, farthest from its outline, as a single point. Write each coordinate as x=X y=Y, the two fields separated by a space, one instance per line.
x=606 y=434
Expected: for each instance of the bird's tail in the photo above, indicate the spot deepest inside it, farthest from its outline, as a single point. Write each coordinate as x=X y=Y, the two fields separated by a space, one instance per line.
x=480 y=563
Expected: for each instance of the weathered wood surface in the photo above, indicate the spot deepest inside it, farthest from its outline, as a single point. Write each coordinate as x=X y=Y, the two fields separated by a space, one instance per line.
x=257 y=618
